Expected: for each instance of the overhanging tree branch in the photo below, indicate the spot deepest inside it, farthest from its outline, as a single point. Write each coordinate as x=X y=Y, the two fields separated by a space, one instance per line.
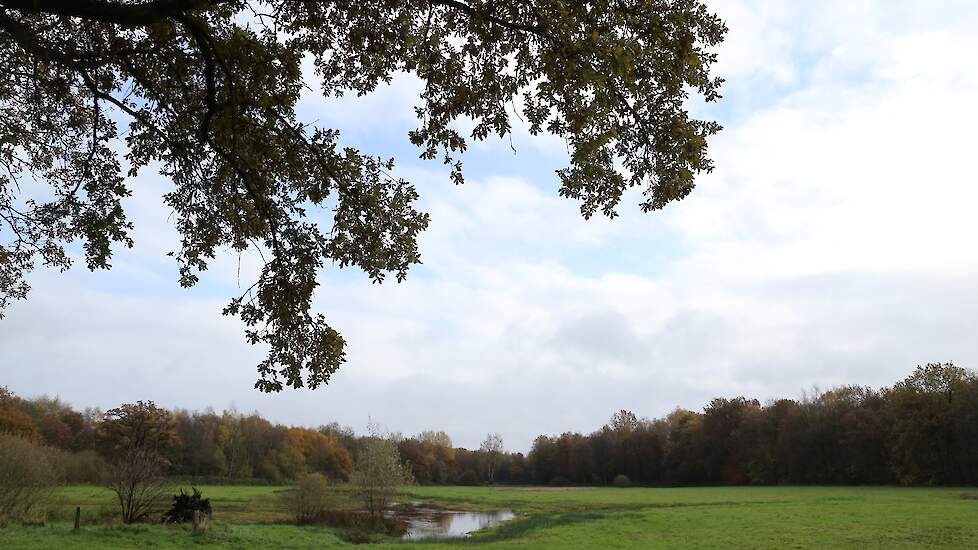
x=212 y=101
x=104 y=11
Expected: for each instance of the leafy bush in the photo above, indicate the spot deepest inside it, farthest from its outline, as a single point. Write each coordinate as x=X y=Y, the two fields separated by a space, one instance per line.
x=621 y=480
x=309 y=499
x=27 y=477
x=184 y=505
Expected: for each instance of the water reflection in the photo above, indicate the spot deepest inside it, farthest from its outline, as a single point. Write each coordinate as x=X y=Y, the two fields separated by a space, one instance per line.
x=424 y=523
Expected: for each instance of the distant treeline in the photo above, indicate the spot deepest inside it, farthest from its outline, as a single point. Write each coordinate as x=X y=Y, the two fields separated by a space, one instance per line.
x=923 y=430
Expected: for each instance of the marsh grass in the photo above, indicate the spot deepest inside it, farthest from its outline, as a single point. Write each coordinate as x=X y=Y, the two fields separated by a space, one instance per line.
x=701 y=517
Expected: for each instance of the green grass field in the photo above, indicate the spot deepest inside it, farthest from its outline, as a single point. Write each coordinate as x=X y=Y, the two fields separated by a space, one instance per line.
x=709 y=517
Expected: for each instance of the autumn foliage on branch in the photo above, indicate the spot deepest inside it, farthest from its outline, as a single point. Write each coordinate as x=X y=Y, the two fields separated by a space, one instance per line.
x=204 y=91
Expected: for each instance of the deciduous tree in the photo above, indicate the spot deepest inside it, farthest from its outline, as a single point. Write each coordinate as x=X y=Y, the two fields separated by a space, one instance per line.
x=925 y=447
x=492 y=450
x=13 y=420
x=134 y=438
x=93 y=91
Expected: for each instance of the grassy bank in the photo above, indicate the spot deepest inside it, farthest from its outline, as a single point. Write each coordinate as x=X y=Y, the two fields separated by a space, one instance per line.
x=727 y=517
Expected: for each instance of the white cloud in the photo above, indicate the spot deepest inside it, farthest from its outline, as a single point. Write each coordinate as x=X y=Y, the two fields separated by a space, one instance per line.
x=832 y=245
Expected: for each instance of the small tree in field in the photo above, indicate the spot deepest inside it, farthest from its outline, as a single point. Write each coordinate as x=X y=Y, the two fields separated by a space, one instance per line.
x=492 y=448
x=133 y=439
x=378 y=474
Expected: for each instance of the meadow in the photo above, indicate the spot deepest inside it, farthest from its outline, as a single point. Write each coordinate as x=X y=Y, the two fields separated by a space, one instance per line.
x=695 y=517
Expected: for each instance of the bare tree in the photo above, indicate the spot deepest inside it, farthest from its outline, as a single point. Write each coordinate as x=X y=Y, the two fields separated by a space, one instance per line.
x=492 y=448
x=378 y=474
x=133 y=438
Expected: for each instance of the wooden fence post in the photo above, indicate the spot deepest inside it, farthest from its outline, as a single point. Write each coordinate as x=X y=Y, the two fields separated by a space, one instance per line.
x=77 y=517
x=198 y=521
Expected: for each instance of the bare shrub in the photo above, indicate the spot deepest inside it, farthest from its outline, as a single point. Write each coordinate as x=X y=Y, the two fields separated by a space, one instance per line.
x=27 y=477
x=308 y=501
x=139 y=487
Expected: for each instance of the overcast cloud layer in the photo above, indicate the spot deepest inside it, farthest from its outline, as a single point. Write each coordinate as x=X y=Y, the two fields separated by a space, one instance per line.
x=833 y=244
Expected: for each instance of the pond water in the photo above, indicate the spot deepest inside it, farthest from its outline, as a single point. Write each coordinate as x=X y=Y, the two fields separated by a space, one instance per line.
x=425 y=523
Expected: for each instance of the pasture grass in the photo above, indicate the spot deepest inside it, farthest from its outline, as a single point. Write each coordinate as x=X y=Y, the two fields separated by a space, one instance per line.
x=700 y=517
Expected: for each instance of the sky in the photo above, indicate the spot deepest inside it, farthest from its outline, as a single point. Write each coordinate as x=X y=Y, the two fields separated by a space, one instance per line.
x=833 y=244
